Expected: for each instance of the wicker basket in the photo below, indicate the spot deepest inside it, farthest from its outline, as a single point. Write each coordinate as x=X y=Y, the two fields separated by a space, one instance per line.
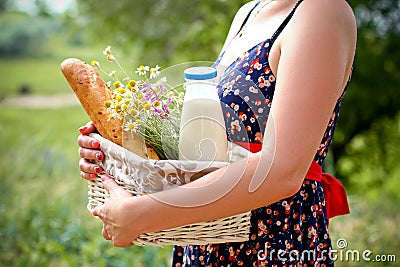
x=140 y=176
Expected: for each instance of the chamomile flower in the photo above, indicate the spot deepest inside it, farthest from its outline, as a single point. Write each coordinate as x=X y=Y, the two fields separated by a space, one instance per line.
x=142 y=70
x=131 y=126
x=107 y=51
x=156 y=103
x=95 y=64
x=110 y=58
x=131 y=100
x=117 y=84
x=132 y=83
x=112 y=73
x=107 y=103
x=154 y=72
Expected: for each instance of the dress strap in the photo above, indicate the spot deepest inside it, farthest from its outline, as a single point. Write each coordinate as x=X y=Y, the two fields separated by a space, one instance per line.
x=248 y=16
x=283 y=25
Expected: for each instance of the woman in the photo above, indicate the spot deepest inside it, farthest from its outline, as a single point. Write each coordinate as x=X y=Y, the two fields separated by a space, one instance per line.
x=300 y=54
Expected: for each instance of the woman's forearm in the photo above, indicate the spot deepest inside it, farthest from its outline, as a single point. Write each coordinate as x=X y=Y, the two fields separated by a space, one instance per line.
x=219 y=194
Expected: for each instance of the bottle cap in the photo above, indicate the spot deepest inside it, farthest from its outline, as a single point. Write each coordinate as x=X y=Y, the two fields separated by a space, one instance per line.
x=200 y=73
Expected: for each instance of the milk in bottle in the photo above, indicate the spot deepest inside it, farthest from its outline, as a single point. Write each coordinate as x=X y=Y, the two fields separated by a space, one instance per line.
x=202 y=130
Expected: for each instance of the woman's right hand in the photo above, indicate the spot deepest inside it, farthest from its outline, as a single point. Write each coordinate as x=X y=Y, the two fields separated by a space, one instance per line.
x=89 y=149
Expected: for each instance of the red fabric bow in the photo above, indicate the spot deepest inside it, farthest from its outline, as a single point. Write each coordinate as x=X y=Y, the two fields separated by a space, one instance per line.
x=335 y=194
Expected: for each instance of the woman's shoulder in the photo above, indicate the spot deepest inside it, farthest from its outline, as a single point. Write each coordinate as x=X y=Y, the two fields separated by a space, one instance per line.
x=327 y=11
x=333 y=17
x=245 y=8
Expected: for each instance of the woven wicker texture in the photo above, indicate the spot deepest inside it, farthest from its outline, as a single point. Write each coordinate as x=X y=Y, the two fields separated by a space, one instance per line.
x=140 y=176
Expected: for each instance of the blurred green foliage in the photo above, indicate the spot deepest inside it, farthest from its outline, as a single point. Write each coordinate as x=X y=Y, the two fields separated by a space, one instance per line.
x=23 y=35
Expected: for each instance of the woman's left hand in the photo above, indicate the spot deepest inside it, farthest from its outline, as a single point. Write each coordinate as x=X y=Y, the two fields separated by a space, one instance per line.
x=117 y=223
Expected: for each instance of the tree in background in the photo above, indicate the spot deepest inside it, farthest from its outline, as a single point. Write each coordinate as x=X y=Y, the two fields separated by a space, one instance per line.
x=3 y=5
x=162 y=31
x=23 y=34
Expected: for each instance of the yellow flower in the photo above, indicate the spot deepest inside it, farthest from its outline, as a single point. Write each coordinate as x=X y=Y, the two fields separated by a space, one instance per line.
x=131 y=126
x=140 y=96
x=110 y=58
x=121 y=90
x=142 y=70
x=132 y=83
x=95 y=64
x=156 y=103
x=125 y=107
x=154 y=72
x=133 y=89
x=137 y=121
x=133 y=112
x=107 y=50
x=107 y=104
x=118 y=98
x=147 y=106
x=112 y=73
x=117 y=84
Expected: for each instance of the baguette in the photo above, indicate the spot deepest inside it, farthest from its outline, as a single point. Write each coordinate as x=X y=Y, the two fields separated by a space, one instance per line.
x=92 y=91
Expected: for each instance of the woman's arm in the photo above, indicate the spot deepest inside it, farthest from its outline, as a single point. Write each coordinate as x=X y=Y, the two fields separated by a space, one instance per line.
x=316 y=52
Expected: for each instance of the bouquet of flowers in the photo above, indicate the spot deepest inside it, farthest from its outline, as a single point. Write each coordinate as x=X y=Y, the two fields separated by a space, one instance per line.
x=146 y=106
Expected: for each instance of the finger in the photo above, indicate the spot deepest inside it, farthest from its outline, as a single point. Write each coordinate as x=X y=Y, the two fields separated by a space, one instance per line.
x=98 y=211
x=91 y=154
x=121 y=244
x=88 y=142
x=109 y=184
x=88 y=128
x=87 y=166
x=105 y=234
x=88 y=176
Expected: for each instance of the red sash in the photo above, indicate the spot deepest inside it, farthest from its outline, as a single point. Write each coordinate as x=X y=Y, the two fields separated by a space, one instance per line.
x=335 y=193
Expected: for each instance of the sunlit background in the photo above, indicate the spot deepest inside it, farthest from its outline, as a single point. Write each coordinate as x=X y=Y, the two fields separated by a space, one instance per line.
x=44 y=221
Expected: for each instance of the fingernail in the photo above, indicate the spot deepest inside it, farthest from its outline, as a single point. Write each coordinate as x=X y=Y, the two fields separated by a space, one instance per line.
x=97 y=169
x=105 y=178
x=99 y=156
x=95 y=144
x=82 y=129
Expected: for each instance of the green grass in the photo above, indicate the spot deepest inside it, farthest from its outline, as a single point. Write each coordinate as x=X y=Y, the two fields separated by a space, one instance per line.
x=43 y=199
x=42 y=73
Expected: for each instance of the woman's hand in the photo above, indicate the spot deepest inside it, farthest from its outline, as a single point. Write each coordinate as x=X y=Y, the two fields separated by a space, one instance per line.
x=89 y=149
x=118 y=224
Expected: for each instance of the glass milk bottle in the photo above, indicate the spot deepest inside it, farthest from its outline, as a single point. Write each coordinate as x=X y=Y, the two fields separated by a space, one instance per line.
x=202 y=130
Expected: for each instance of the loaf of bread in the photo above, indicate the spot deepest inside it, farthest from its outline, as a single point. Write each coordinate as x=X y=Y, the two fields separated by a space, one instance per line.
x=92 y=91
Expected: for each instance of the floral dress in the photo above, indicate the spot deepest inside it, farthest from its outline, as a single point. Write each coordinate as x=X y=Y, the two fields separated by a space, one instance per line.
x=281 y=232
